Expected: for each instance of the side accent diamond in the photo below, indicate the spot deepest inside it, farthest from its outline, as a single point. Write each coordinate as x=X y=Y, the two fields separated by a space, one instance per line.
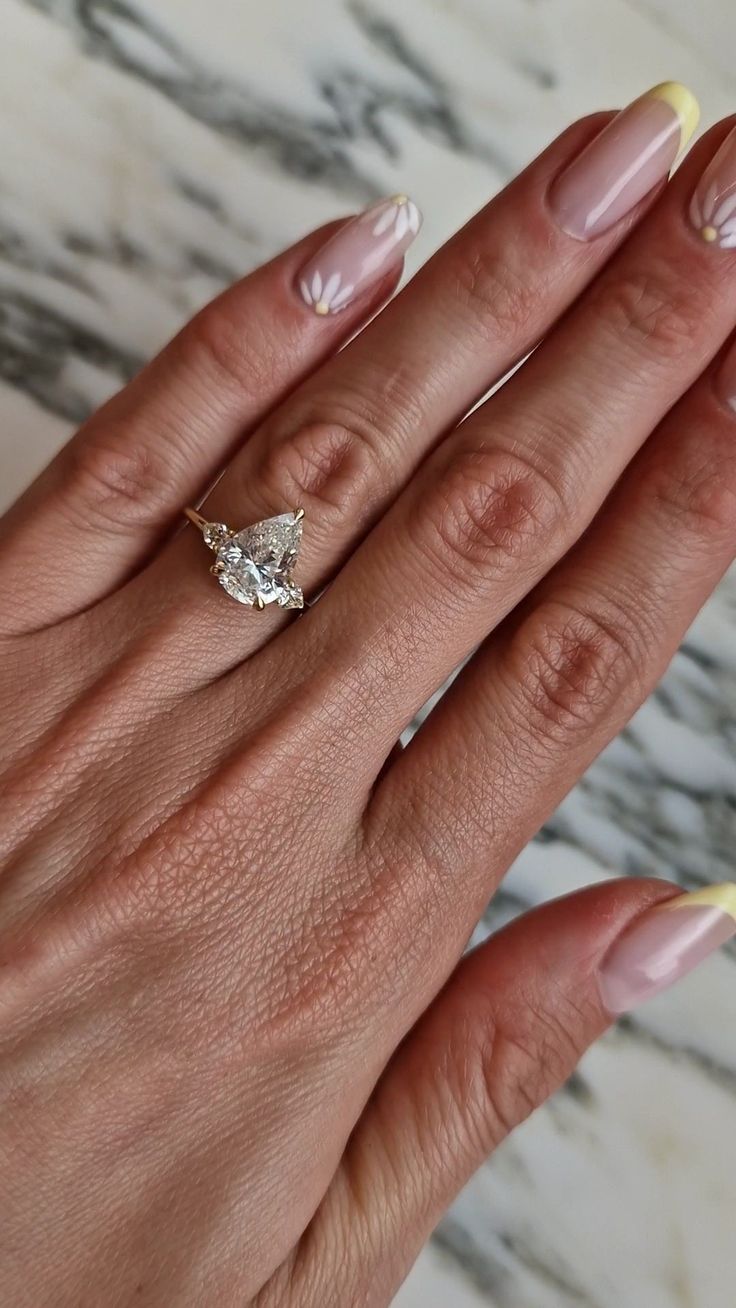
x=215 y=534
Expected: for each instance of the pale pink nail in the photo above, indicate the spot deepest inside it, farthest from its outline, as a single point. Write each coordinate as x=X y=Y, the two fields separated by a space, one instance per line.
x=713 y=206
x=665 y=944
x=622 y=164
x=359 y=255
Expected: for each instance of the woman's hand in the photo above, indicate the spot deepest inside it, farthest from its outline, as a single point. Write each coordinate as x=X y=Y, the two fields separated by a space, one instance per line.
x=233 y=1067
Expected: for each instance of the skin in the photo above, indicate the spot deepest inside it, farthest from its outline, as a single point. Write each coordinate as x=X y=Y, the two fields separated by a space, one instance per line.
x=240 y=1061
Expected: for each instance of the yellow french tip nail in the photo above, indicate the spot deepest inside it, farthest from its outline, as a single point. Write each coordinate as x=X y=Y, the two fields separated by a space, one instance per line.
x=722 y=896
x=679 y=98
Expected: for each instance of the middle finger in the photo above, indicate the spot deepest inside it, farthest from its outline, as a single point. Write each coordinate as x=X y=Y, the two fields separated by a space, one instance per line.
x=347 y=440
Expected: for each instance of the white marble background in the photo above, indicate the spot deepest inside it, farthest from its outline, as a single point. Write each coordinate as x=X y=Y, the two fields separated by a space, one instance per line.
x=153 y=150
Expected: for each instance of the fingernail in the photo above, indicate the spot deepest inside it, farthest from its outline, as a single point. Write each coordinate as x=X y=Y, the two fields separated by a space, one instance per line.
x=622 y=164
x=713 y=206
x=665 y=944
x=360 y=254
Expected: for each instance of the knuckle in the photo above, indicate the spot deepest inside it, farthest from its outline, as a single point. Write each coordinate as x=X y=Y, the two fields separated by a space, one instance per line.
x=522 y=1060
x=121 y=482
x=488 y=508
x=341 y=965
x=327 y=467
x=501 y=1065
x=650 y=307
x=699 y=494
x=493 y=292
x=214 y=346
x=572 y=665
x=322 y=985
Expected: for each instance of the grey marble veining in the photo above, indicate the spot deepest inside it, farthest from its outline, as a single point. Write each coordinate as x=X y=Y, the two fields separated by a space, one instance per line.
x=152 y=152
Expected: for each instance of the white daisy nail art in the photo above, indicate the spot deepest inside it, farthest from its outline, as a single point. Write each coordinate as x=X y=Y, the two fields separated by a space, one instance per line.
x=402 y=214
x=327 y=298
x=713 y=206
x=715 y=221
x=362 y=252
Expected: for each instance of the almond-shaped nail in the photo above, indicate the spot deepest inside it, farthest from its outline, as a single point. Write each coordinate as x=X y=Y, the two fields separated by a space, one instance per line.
x=359 y=255
x=713 y=206
x=622 y=164
x=664 y=944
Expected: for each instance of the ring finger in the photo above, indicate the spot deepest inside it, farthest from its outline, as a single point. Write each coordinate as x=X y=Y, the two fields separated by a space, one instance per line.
x=512 y=490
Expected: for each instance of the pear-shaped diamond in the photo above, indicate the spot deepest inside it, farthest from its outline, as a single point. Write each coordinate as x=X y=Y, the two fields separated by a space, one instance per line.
x=254 y=565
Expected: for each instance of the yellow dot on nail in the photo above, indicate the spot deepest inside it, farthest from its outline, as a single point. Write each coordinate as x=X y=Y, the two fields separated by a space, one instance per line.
x=321 y=308
x=709 y=234
x=401 y=199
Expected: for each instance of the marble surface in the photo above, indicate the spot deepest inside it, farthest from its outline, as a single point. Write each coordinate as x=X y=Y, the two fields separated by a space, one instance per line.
x=152 y=151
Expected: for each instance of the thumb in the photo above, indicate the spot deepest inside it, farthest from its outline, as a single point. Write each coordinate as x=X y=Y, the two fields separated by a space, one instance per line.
x=507 y=1030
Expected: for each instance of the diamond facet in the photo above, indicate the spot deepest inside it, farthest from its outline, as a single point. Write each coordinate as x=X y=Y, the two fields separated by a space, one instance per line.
x=257 y=561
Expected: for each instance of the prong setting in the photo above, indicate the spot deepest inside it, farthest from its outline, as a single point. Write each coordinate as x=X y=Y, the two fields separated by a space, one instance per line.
x=255 y=564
